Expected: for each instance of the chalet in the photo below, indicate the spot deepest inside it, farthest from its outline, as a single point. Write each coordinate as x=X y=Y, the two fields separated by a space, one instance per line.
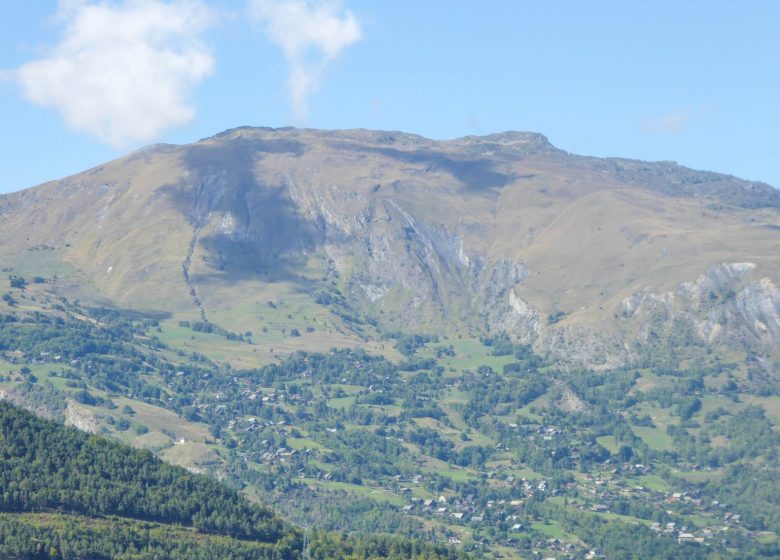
x=686 y=538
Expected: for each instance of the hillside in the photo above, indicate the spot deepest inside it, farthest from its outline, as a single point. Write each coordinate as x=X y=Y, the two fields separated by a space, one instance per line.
x=482 y=444
x=354 y=233
x=105 y=500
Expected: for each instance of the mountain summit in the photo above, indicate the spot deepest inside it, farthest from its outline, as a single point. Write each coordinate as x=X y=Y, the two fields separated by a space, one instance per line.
x=359 y=232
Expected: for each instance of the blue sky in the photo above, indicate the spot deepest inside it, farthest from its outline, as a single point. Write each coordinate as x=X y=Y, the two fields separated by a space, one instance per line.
x=691 y=81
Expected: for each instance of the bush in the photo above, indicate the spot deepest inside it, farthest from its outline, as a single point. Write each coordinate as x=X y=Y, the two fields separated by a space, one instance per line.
x=85 y=397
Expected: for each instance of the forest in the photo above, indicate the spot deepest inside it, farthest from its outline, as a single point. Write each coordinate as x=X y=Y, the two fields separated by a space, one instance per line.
x=66 y=494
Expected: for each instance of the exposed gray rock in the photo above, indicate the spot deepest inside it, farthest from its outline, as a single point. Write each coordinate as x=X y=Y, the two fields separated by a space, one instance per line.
x=80 y=417
x=719 y=305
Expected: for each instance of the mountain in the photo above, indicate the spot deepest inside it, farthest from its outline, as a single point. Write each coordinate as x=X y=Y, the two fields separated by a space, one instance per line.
x=486 y=343
x=358 y=233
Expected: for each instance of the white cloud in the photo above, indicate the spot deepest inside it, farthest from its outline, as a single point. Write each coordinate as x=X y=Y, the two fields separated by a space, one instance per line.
x=671 y=123
x=122 y=71
x=312 y=33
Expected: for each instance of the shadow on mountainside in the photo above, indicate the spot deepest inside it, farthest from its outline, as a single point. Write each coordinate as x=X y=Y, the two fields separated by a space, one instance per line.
x=261 y=231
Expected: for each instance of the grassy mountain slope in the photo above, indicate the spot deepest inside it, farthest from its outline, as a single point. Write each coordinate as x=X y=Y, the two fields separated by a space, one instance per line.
x=480 y=233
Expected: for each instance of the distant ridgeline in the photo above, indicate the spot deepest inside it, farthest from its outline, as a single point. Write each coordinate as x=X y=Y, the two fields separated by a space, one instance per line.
x=66 y=494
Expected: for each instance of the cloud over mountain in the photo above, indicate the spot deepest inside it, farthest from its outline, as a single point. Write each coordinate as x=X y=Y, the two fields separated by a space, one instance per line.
x=122 y=72
x=312 y=34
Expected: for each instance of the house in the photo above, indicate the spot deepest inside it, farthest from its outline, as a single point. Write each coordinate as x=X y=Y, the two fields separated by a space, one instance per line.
x=686 y=538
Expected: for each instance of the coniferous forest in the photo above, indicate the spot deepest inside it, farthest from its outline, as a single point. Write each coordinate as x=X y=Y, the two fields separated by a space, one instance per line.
x=67 y=494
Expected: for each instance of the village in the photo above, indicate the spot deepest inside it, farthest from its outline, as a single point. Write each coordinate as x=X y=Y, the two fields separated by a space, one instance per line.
x=598 y=492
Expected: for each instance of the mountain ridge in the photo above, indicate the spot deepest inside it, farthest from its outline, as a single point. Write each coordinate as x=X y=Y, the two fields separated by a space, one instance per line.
x=410 y=231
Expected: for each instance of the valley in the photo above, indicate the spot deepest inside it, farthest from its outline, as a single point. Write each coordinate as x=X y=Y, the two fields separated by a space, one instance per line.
x=477 y=443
